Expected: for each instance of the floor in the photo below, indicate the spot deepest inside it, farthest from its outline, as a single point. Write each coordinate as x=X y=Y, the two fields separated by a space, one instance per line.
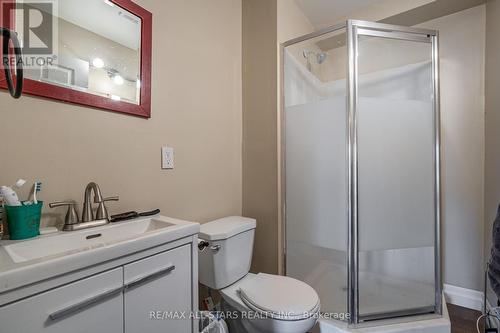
x=463 y=320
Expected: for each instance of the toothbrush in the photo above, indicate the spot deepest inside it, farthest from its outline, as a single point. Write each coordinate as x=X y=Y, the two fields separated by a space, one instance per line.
x=37 y=187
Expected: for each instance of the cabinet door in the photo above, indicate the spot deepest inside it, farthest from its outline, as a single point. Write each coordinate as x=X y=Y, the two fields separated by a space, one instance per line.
x=90 y=305
x=158 y=293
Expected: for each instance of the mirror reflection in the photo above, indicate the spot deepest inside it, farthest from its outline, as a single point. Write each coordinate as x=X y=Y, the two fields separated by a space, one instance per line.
x=98 y=50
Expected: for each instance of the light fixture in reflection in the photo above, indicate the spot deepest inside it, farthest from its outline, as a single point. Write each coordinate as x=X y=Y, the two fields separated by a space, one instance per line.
x=117 y=79
x=109 y=3
x=98 y=63
x=138 y=84
x=116 y=98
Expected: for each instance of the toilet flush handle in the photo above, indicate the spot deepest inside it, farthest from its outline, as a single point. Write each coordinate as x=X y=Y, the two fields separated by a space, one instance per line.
x=215 y=248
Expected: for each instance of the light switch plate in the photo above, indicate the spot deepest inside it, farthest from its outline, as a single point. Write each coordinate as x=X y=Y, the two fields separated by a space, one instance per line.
x=167 y=158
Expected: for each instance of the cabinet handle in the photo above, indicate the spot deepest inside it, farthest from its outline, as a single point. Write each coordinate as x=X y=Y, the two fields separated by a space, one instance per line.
x=71 y=309
x=146 y=278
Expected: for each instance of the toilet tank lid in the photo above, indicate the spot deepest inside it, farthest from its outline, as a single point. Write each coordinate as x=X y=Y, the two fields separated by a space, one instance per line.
x=226 y=227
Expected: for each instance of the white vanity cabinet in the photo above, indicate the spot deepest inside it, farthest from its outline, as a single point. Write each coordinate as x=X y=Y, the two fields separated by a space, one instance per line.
x=119 y=296
x=157 y=293
x=93 y=304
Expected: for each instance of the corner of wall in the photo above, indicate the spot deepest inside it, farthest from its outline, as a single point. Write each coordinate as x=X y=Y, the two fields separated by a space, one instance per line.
x=260 y=179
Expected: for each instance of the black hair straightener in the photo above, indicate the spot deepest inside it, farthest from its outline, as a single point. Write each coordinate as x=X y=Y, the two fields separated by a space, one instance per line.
x=132 y=215
x=8 y=36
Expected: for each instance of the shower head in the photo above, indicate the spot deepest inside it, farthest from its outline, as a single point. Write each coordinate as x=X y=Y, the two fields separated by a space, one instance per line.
x=319 y=57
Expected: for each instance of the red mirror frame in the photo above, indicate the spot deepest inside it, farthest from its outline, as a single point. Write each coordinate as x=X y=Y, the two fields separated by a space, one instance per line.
x=45 y=90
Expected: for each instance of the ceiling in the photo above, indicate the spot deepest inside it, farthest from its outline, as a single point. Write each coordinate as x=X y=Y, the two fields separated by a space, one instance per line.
x=103 y=18
x=323 y=12
x=430 y=11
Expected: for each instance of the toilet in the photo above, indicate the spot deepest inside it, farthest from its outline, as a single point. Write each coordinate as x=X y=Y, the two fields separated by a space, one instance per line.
x=256 y=302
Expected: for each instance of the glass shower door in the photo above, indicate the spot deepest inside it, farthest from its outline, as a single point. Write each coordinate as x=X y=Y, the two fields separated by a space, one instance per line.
x=396 y=174
x=315 y=128
x=361 y=169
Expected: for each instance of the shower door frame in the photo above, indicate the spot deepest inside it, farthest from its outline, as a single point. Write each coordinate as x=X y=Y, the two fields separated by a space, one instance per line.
x=355 y=28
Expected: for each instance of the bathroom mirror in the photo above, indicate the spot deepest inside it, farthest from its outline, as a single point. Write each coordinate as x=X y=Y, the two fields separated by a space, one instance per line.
x=101 y=52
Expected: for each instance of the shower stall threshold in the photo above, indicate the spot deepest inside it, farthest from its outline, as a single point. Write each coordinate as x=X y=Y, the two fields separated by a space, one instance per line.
x=415 y=324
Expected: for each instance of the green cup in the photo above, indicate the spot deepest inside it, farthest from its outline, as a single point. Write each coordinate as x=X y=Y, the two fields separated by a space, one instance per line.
x=24 y=221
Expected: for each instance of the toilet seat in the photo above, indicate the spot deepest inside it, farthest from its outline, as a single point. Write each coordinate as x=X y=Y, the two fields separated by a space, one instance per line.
x=254 y=301
x=279 y=297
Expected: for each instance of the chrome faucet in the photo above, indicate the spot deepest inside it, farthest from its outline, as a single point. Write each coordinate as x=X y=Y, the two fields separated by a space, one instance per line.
x=87 y=213
x=71 y=221
x=102 y=212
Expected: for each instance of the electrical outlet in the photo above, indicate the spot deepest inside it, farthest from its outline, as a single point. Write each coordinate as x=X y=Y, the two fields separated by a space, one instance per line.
x=167 y=158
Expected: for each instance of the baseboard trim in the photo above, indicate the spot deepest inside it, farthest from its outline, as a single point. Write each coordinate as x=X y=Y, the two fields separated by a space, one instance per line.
x=467 y=298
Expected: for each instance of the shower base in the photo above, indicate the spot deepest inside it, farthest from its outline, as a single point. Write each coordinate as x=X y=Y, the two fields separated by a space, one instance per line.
x=416 y=324
x=380 y=293
x=399 y=289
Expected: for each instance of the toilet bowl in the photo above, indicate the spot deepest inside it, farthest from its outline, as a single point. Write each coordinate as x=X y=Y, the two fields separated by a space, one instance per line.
x=258 y=302
x=272 y=303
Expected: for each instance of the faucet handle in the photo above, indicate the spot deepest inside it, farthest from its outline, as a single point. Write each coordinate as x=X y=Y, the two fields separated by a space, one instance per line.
x=71 y=215
x=116 y=198
x=102 y=212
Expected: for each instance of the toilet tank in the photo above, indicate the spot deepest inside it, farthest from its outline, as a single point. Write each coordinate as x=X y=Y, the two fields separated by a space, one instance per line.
x=227 y=259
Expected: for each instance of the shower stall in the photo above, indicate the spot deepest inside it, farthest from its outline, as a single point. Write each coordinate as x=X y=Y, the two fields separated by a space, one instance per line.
x=361 y=169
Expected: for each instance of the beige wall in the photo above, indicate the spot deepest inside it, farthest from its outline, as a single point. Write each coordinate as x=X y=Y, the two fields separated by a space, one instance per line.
x=291 y=21
x=492 y=163
x=462 y=47
x=196 y=109
x=260 y=182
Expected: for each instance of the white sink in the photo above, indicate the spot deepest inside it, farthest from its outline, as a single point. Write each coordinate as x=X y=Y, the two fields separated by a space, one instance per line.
x=78 y=241
x=28 y=261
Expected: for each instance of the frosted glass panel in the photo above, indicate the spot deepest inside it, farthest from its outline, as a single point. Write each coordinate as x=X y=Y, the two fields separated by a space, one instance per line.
x=393 y=206
x=395 y=173
x=316 y=167
x=396 y=218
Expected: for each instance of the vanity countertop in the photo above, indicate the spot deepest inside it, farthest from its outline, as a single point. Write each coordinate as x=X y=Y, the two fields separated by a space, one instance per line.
x=27 y=262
